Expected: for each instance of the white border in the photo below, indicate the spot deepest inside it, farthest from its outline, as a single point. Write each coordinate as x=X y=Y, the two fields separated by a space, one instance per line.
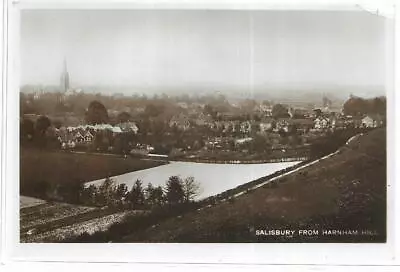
x=3 y=46
x=302 y=254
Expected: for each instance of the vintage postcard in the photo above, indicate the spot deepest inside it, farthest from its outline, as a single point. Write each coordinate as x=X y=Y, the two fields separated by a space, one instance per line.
x=204 y=125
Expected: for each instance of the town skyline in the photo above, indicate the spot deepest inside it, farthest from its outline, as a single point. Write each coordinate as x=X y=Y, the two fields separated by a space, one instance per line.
x=262 y=92
x=235 y=50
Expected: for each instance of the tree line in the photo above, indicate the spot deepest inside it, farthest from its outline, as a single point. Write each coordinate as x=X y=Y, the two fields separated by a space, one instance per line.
x=357 y=106
x=175 y=192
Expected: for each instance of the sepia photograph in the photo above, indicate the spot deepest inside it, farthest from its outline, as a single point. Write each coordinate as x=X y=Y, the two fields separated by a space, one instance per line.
x=203 y=126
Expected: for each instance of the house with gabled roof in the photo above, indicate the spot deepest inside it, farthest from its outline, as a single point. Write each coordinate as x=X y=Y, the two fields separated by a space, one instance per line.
x=78 y=137
x=321 y=123
x=88 y=137
x=282 y=124
x=372 y=121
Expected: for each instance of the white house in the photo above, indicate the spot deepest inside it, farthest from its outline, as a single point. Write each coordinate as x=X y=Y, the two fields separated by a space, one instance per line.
x=370 y=121
x=245 y=127
x=321 y=123
x=116 y=130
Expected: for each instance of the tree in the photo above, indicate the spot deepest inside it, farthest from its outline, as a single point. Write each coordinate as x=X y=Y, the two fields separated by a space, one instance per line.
x=136 y=195
x=280 y=111
x=42 y=124
x=96 y=113
x=124 y=117
x=88 y=195
x=174 y=192
x=62 y=107
x=27 y=129
x=379 y=105
x=152 y=110
x=355 y=106
x=106 y=193
x=72 y=192
x=260 y=144
x=148 y=193
x=358 y=106
x=158 y=196
x=294 y=140
x=57 y=124
x=102 y=140
x=154 y=195
x=292 y=129
x=121 y=192
x=158 y=127
x=51 y=137
x=191 y=189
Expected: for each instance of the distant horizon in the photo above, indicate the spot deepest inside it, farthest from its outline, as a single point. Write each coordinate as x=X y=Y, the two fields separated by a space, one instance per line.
x=163 y=50
x=284 y=95
x=372 y=90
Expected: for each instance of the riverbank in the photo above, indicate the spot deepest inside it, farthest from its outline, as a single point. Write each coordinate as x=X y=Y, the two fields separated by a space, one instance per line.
x=213 y=178
x=167 y=159
x=289 y=159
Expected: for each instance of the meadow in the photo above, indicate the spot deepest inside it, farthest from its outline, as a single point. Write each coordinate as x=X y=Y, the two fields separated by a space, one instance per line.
x=40 y=169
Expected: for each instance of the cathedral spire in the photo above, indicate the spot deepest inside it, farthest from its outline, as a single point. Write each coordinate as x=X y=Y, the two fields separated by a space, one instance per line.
x=64 y=84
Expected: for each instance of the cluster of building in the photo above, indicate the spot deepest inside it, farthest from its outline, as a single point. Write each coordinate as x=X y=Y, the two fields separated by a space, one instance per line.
x=71 y=136
x=267 y=124
x=257 y=118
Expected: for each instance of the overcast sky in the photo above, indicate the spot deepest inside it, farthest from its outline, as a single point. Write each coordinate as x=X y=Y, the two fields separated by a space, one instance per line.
x=172 y=48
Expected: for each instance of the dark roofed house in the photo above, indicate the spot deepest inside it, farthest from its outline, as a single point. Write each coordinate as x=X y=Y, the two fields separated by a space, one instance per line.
x=88 y=137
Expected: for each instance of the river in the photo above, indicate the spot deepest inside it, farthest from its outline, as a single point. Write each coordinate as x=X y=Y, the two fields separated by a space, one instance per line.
x=213 y=178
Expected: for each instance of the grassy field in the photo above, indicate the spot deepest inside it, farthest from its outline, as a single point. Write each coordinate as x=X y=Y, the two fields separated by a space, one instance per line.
x=51 y=167
x=344 y=192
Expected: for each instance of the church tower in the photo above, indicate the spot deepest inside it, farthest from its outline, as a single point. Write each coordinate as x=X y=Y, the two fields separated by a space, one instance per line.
x=64 y=78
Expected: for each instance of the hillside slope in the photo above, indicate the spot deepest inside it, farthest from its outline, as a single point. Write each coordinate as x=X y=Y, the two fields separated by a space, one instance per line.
x=346 y=193
x=40 y=170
